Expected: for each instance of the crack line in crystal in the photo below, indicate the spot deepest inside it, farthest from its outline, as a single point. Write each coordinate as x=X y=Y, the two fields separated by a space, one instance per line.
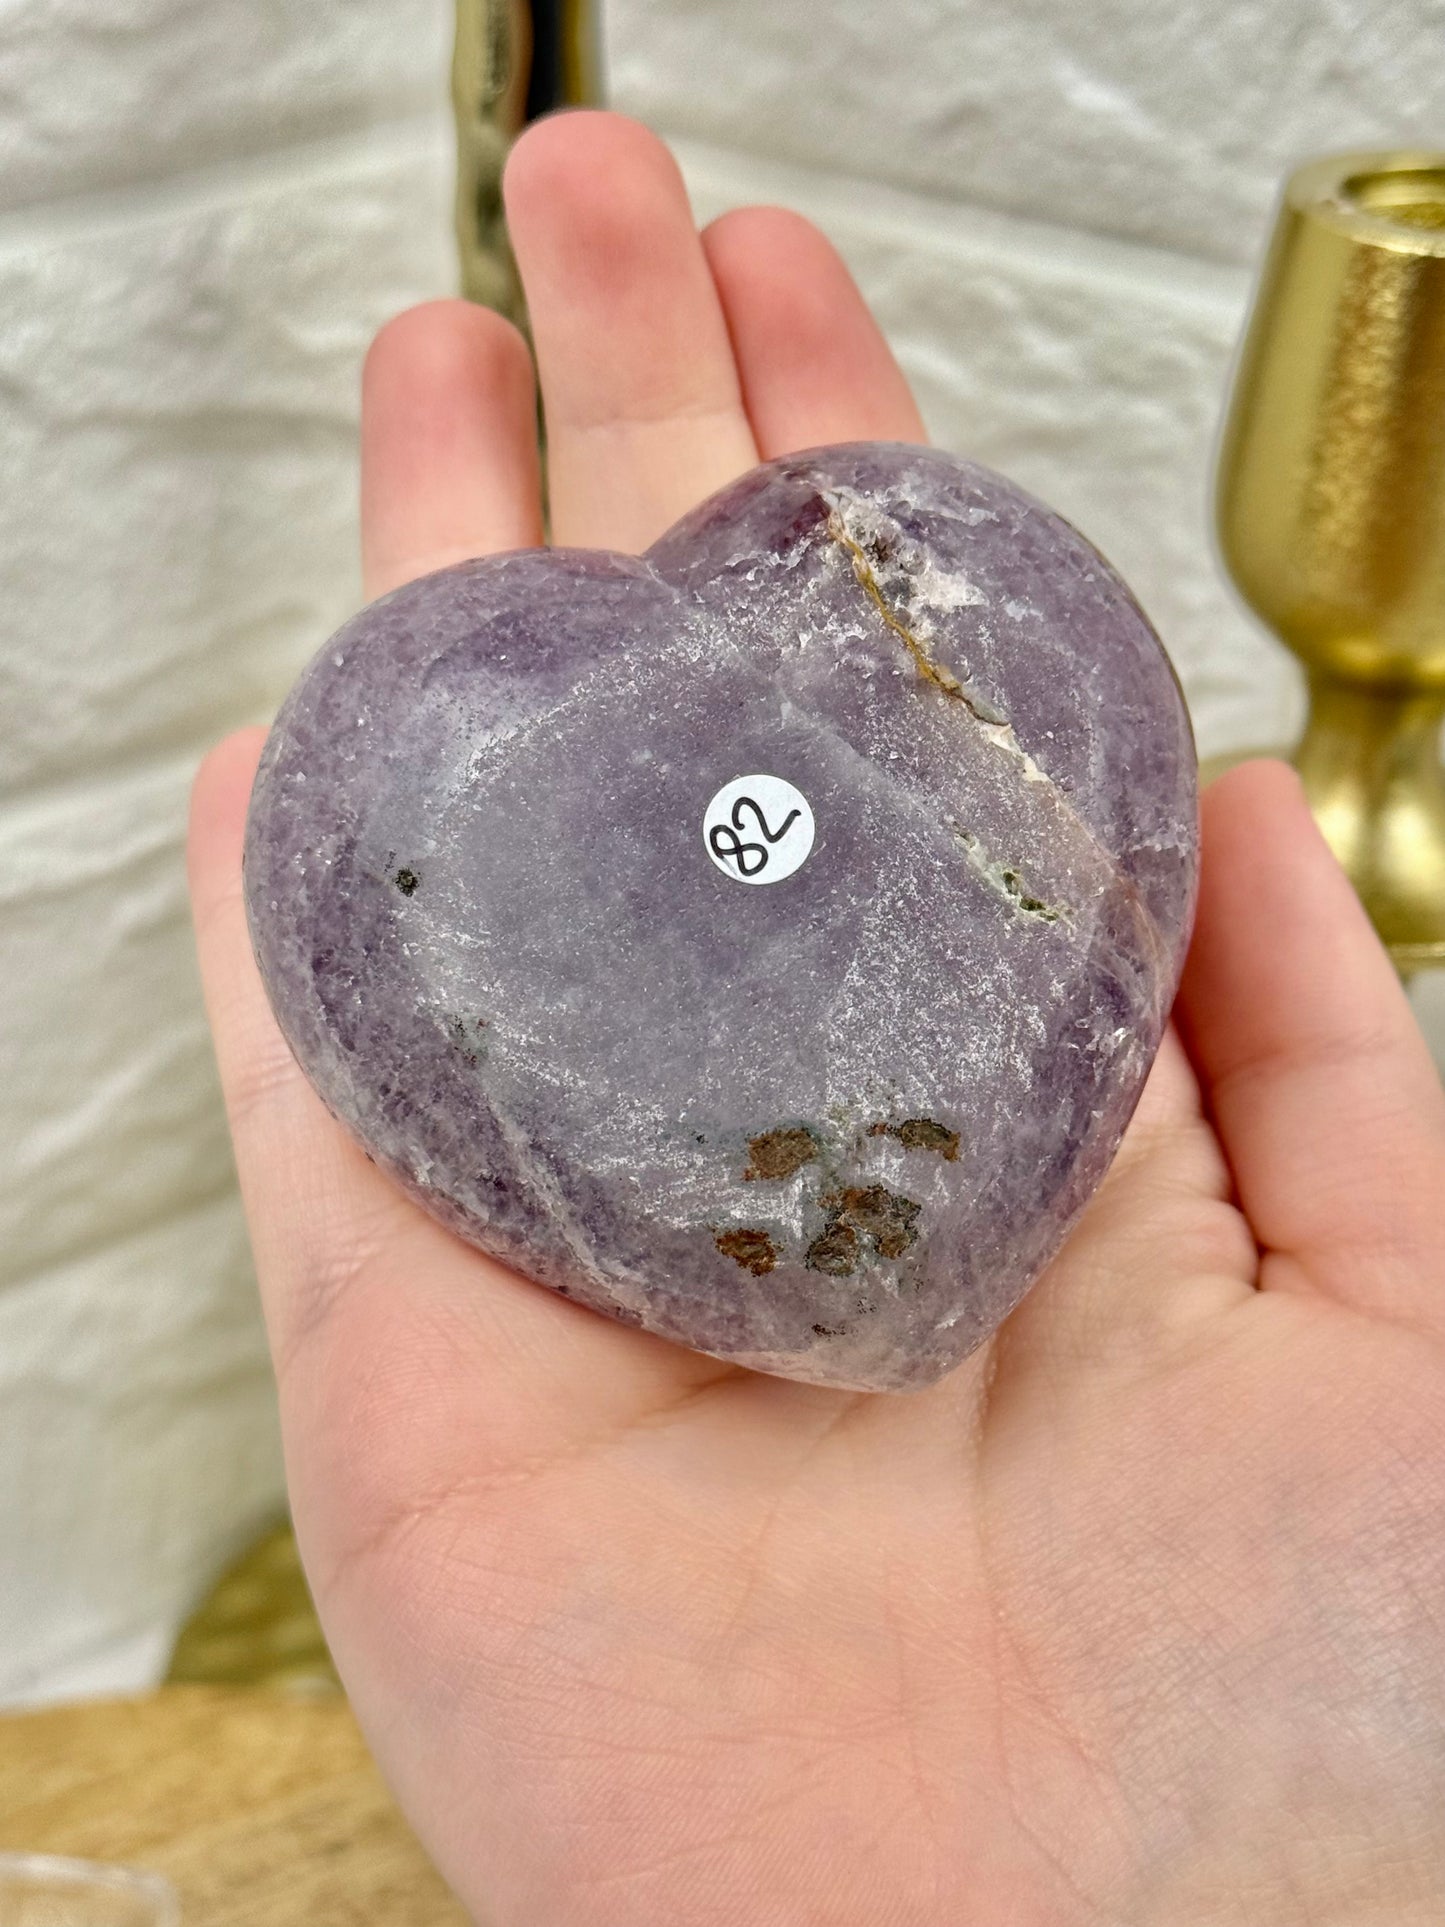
x=617 y=1281
x=995 y=728
x=1007 y=882
x=932 y=671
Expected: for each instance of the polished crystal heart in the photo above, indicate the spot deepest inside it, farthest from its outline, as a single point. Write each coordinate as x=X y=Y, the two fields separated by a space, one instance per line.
x=763 y=942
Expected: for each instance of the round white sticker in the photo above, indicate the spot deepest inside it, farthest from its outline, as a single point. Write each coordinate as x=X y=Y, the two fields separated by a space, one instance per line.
x=758 y=829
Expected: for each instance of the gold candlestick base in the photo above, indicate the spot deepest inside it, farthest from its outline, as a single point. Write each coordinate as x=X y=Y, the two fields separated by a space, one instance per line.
x=257 y=1626
x=1332 y=514
x=1370 y=764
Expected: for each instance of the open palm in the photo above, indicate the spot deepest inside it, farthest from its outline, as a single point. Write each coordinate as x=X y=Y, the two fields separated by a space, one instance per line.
x=1139 y=1616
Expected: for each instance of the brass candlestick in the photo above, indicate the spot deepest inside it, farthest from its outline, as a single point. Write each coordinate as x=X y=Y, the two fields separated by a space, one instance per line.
x=1331 y=507
x=513 y=60
x=257 y=1626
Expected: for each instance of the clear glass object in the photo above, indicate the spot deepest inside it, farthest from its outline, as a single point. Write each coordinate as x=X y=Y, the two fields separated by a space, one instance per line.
x=39 y=1890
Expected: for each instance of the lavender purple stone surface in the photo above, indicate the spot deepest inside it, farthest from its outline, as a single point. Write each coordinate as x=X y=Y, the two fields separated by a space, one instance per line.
x=763 y=942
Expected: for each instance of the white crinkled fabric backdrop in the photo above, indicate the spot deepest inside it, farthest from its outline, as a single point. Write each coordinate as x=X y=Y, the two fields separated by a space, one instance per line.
x=205 y=211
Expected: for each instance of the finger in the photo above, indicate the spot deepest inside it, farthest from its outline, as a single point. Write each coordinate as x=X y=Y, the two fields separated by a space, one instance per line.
x=409 y=1364
x=303 y=1182
x=448 y=443
x=1160 y=1250
x=644 y=413
x=1319 y=1081
x=813 y=364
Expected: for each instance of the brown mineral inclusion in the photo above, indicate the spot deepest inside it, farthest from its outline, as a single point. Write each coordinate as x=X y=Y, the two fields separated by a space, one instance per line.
x=778 y=1154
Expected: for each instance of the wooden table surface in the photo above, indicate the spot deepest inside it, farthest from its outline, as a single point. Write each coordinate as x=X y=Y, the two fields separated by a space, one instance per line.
x=264 y=1810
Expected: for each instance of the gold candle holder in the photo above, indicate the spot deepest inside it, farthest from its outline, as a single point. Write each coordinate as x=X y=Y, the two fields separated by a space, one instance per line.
x=1331 y=513
x=512 y=61
x=257 y=1626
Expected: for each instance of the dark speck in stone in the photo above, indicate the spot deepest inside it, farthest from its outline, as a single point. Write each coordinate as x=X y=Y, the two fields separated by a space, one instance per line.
x=778 y=1154
x=406 y=881
x=470 y=1037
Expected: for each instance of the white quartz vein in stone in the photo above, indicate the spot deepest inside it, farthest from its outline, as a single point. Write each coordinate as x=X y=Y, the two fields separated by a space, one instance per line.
x=995 y=729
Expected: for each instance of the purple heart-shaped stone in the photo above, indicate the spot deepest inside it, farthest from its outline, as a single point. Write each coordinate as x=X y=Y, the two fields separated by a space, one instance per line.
x=763 y=942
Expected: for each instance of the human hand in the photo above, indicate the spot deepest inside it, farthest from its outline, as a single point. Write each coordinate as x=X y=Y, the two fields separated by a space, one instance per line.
x=1139 y=1616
